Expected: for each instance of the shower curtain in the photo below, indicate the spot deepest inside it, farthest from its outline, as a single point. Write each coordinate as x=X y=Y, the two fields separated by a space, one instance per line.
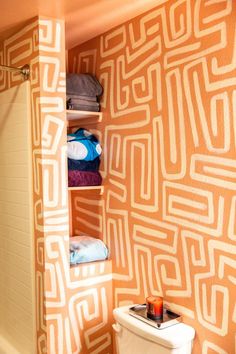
x=17 y=318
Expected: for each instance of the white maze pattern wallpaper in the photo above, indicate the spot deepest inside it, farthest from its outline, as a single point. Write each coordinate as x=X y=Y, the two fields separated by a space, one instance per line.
x=169 y=141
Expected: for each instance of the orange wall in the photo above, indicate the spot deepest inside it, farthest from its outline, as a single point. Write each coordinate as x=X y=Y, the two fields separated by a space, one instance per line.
x=73 y=305
x=169 y=207
x=169 y=139
x=41 y=45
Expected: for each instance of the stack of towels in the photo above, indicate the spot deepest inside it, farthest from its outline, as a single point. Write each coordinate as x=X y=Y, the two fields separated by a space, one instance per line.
x=83 y=92
x=83 y=151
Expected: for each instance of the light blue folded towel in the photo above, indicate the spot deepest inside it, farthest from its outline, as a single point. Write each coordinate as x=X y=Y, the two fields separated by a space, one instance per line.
x=87 y=249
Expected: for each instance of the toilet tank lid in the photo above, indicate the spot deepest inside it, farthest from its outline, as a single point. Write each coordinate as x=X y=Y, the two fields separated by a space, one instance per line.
x=171 y=337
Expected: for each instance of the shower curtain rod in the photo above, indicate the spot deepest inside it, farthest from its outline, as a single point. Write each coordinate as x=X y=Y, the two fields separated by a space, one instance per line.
x=24 y=70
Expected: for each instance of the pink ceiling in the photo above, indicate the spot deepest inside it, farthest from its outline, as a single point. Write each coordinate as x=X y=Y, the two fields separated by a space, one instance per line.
x=84 y=19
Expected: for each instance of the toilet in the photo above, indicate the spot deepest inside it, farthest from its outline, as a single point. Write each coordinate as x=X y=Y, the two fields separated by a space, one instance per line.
x=134 y=336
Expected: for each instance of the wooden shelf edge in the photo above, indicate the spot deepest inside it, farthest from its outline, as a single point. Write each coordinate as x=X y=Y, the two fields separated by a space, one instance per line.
x=73 y=116
x=86 y=188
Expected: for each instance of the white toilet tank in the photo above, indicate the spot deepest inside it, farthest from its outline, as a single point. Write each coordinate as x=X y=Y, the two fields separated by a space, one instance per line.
x=136 y=337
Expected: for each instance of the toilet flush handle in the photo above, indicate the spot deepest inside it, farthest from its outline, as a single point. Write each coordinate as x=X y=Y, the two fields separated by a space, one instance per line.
x=117 y=328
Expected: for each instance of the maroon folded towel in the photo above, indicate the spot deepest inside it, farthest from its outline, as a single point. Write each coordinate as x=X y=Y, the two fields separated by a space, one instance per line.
x=84 y=178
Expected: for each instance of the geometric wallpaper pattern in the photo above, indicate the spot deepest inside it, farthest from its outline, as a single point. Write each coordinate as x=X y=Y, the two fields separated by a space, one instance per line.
x=41 y=45
x=73 y=306
x=169 y=141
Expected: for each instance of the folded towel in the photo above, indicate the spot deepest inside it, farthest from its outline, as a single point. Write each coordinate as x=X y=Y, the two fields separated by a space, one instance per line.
x=84 y=98
x=83 y=85
x=87 y=249
x=84 y=178
x=81 y=165
x=81 y=104
x=82 y=145
x=80 y=107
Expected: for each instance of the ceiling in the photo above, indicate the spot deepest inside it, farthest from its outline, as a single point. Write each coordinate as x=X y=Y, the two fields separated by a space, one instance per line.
x=84 y=19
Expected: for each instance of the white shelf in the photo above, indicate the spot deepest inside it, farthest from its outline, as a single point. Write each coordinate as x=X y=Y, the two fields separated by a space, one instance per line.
x=87 y=188
x=77 y=117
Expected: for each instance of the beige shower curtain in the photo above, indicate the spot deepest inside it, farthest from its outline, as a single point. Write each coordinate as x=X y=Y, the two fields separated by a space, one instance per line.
x=17 y=328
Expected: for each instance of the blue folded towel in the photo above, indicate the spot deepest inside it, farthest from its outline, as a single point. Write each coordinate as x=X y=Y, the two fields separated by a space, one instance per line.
x=82 y=145
x=87 y=249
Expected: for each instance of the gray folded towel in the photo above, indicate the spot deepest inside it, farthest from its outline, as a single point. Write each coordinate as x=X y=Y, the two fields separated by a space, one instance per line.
x=83 y=85
x=80 y=97
x=81 y=105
